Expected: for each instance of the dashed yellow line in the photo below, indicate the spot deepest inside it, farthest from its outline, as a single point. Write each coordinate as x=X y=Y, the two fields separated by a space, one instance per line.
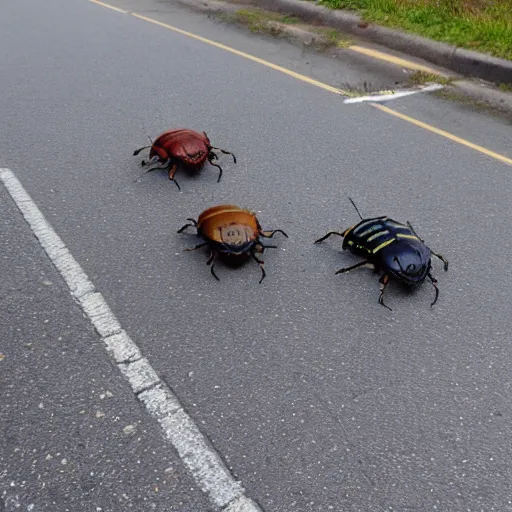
x=448 y=135
x=404 y=63
x=324 y=86
x=226 y=48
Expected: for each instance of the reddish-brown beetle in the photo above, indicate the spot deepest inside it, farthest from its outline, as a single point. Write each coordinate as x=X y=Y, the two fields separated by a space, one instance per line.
x=233 y=232
x=182 y=146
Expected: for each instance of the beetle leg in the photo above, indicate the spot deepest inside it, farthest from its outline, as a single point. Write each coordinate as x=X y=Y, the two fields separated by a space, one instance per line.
x=172 y=172
x=433 y=280
x=357 y=265
x=260 y=263
x=225 y=152
x=210 y=159
x=198 y=246
x=211 y=261
x=153 y=160
x=149 y=170
x=260 y=248
x=384 y=279
x=193 y=225
x=327 y=236
x=270 y=234
x=137 y=151
x=442 y=258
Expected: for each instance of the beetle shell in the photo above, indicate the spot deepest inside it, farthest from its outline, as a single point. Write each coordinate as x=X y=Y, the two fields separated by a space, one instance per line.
x=182 y=146
x=188 y=146
x=232 y=232
x=392 y=246
x=229 y=228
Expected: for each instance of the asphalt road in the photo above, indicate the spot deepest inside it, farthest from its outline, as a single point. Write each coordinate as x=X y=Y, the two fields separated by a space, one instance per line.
x=73 y=435
x=315 y=396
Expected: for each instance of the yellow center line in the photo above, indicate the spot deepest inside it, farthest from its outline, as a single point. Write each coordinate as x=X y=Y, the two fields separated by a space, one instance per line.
x=324 y=86
x=448 y=135
x=108 y=6
x=226 y=48
x=395 y=60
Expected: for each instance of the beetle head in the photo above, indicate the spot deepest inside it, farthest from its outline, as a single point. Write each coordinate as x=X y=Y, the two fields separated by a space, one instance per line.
x=237 y=239
x=409 y=264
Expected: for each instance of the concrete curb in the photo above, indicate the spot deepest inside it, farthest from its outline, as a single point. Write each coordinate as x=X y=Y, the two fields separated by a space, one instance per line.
x=465 y=62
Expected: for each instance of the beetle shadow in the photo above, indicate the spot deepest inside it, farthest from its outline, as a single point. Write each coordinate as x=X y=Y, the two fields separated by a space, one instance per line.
x=190 y=174
x=222 y=260
x=395 y=289
x=233 y=262
x=183 y=173
x=398 y=291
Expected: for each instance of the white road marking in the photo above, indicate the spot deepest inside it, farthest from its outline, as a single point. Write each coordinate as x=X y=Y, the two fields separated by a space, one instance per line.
x=201 y=459
x=393 y=95
x=121 y=348
x=140 y=375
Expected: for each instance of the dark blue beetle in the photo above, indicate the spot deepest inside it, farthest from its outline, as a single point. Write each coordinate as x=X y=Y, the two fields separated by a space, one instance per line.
x=391 y=248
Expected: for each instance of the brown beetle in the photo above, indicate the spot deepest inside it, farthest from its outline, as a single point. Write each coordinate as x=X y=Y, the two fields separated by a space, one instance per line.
x=182 y=146
x=233 y=232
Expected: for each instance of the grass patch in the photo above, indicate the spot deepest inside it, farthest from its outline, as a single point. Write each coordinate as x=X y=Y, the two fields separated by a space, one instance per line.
x=505 y=87
x=268 y=22
x=482 y=25
x=257 y=19
x=421 y=77
x=332 y=36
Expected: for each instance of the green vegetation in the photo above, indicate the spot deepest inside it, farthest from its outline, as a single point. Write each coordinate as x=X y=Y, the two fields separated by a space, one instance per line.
x=332 y=36
x=261 y=21
x=482 y=25
x=505 y=87
x=421 y=77
x=257 y=20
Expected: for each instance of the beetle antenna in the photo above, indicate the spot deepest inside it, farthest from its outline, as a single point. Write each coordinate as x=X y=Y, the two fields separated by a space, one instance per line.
x=354 y=205
x=146 y=132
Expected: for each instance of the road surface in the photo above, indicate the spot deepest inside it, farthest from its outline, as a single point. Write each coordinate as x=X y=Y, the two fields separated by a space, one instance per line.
x=313 y=396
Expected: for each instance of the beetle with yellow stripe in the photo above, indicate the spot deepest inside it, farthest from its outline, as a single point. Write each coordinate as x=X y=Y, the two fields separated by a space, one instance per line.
x=232 y=232
x=389 y=247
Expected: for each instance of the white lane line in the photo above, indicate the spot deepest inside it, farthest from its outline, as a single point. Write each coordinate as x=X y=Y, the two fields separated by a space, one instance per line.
x=201 y=459
x=393 y=95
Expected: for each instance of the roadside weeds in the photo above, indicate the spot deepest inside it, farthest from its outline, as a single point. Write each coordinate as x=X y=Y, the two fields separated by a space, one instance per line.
x=289 y=27
x=479 y=25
